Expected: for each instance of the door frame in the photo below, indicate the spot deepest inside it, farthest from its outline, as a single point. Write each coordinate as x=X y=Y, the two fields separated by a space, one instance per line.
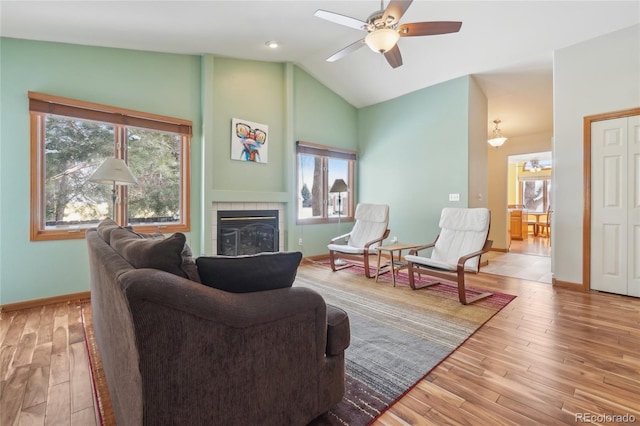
x=586 y=214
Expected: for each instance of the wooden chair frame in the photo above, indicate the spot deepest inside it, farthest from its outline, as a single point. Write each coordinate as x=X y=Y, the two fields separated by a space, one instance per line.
x=355 y=257
x=449 y=277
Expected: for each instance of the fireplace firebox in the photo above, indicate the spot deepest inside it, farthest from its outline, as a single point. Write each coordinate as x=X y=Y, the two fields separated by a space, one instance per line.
x=244 y=232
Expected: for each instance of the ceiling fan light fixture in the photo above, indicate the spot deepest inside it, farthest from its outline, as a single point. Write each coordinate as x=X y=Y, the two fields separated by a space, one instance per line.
x=497 y=139
x=535 y=166
x=382 y=40
x=272 y=44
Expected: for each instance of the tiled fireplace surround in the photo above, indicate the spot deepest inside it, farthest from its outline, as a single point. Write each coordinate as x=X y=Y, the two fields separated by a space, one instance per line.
x=247 y=206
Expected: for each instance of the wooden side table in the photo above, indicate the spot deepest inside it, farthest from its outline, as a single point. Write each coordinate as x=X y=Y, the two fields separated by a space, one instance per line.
x=394 y=265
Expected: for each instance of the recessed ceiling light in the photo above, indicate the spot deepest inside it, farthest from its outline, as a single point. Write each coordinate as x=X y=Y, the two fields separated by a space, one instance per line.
x=272 y=44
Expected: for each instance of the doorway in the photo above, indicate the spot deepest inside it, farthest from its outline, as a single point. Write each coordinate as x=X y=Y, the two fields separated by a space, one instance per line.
x=529 y=202
x=526 y=256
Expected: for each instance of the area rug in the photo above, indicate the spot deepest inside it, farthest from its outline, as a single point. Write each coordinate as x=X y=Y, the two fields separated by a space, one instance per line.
x=100 y=389
x=397 y=337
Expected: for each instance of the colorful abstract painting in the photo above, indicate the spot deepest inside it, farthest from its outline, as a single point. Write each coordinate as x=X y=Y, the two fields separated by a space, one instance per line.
x=249 y=141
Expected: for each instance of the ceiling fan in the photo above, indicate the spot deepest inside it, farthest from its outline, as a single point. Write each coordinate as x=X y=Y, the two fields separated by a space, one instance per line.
x=384 y=30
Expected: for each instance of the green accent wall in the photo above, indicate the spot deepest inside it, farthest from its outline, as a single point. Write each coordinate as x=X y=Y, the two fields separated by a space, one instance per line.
x=208 y=90
x=252 y=91
x=414 y=152
x=321 y=117
x=158 y=83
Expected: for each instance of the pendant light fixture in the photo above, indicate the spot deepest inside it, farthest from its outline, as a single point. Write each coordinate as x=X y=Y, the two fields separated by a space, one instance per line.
x=496 y=137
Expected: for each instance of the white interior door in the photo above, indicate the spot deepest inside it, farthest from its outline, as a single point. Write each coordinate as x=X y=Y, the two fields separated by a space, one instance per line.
x=615 y=205
x=633 y=285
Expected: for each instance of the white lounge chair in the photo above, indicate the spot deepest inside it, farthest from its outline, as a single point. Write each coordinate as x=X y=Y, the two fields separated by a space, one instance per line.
x=457 y=249
x=369 y=230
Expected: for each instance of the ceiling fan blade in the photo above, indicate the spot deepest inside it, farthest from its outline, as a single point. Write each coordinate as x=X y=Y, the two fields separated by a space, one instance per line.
x=394 y=57
x=341 y=19
x=345 y=51
x=395 y=10
x=429 y=28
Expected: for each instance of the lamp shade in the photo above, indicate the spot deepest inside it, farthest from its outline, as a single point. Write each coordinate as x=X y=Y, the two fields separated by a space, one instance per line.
x=382 y=40
x=339 y=185
x=113 y=170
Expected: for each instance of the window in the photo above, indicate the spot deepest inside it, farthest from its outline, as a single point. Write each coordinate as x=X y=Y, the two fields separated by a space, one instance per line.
x=535 y=194
x=70 y=139
x=318 y=168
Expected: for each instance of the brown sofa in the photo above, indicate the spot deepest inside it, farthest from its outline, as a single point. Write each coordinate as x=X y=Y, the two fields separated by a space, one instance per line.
x=177 y=352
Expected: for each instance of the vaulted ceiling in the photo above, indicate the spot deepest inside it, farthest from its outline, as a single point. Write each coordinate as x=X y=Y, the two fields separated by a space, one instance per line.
x=506 y=45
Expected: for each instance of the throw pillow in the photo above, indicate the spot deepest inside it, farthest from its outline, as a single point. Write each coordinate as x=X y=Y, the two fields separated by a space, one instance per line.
x=246 y=274
x=164 y=254
x=189 y=264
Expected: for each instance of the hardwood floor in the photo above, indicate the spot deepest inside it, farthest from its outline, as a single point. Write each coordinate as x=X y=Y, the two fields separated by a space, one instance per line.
x=535 y=245
x=44 y=368
x=551 y=355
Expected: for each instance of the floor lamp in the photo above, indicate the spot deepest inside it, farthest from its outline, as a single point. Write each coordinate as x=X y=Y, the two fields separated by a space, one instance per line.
x=339 y=186
x=115 y=172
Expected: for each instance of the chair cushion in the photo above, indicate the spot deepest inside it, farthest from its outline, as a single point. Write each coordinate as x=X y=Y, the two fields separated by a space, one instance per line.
x=246 y=274
x=463 y=231
x=430 y=263
x=345 y=248
x=372 y=221
x=476 y=220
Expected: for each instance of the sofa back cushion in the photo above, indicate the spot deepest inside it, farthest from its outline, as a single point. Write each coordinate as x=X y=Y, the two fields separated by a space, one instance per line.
x=170 y=254
x=246 y=274
x=105 y=227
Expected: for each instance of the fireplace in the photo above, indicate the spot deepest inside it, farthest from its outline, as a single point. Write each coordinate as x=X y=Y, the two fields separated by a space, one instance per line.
x=244 y=232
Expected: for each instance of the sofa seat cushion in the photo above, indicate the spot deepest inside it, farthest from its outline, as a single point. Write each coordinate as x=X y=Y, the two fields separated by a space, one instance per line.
x=247 y=274
x=153 y=251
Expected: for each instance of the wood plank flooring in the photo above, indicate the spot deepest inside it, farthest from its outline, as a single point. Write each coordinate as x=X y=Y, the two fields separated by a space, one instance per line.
x=551 y=355
x=536 y=245
x=44 y=368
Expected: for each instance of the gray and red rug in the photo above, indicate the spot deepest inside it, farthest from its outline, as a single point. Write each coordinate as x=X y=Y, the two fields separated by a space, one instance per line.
x=398 y=335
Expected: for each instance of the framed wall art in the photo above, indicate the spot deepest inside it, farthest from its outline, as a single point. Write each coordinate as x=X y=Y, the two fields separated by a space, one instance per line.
x=249 y=141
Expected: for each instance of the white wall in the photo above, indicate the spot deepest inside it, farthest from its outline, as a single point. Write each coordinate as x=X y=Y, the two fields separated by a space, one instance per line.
x=593 y=77
x=478 y=164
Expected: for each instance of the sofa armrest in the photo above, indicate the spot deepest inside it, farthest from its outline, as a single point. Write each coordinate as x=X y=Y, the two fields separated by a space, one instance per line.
x=338 y=331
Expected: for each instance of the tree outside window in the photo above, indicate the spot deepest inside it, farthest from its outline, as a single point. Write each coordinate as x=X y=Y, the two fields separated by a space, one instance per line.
x=318 y=167
x=536 y=194
x=70 y=139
